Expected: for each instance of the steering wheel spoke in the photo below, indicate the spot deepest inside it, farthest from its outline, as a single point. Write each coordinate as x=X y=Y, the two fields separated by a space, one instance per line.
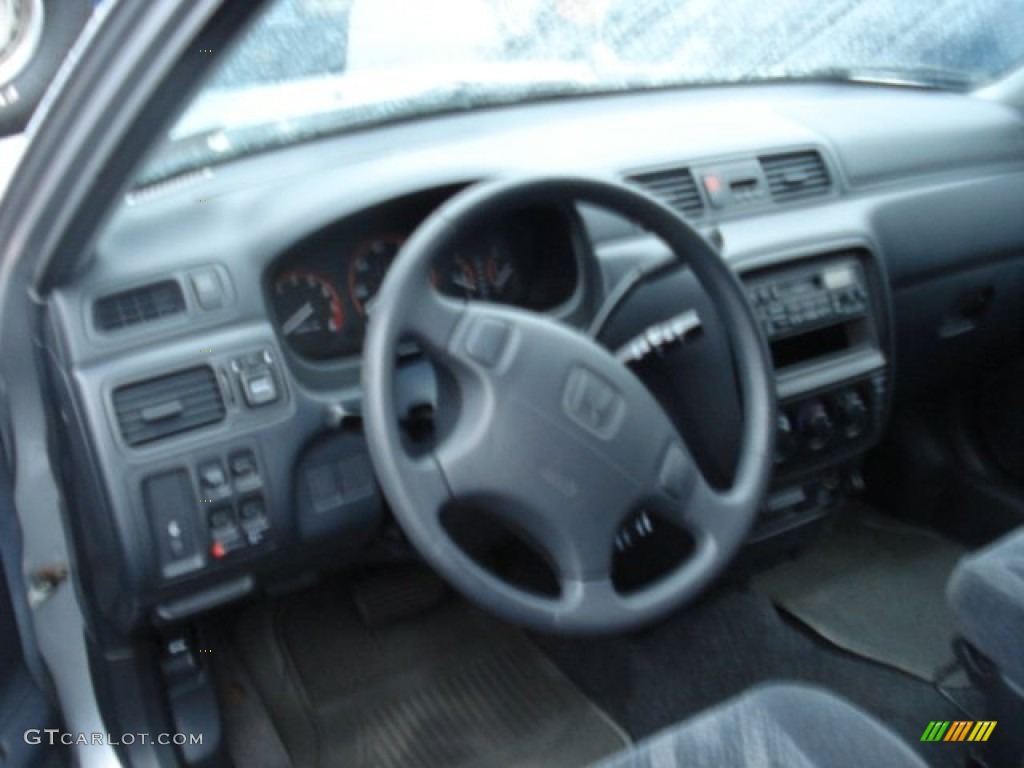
x=709 y=512
x=432 y=319
x=590 y=601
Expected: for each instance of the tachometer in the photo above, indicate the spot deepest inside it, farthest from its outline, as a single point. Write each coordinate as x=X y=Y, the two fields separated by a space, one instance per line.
x=369 y=264
x=310 y=312
x=502 y=280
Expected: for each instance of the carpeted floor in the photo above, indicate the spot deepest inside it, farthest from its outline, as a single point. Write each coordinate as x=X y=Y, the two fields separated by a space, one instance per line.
x=726 y=643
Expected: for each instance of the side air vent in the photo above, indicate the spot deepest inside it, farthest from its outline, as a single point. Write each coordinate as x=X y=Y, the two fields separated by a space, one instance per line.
x=675 y=187
x=796 y=176
x=168 y=405
x=139 y=305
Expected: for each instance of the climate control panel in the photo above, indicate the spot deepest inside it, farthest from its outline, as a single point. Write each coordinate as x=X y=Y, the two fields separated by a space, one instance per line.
x=829 y=424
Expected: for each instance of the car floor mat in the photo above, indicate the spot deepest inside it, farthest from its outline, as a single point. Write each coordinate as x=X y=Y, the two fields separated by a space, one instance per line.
x=450 y=687
x=874 y=587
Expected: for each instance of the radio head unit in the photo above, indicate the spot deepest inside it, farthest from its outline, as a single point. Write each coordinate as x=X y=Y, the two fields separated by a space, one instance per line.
x=801 y=299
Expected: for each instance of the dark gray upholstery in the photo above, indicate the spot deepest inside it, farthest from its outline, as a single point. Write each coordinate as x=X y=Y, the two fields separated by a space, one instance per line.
x=774 y=726
x=986 y=596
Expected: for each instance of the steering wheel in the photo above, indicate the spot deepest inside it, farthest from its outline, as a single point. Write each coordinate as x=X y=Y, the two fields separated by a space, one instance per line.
x=553 y=434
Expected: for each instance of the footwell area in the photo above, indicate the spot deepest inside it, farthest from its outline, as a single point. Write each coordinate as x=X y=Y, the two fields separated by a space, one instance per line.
x=450 y=687
x=876 y=588
x=726 y=643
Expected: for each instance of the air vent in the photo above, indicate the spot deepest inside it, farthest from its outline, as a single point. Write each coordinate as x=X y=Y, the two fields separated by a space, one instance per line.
x=168 y=405
x=139 y=305
x=673 y=186
x=796 y=176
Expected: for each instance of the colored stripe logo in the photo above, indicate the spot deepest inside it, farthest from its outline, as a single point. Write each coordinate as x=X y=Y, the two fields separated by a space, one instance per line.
x=958 y=730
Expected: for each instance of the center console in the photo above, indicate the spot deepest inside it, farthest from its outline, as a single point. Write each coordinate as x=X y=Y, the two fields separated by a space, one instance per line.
x=824 y=317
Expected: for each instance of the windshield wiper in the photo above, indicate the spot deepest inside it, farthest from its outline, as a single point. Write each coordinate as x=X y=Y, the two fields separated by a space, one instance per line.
x=911 y=77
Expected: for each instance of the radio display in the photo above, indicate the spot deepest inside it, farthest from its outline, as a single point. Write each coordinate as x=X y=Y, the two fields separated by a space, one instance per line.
x=839 y=277
x=797 y=287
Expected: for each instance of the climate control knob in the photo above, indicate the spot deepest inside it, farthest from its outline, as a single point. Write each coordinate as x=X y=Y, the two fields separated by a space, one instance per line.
x=815 y=424
x=853 y=414
x=786 y=441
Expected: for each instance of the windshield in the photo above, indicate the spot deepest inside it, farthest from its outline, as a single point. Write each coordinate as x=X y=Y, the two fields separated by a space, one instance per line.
x=309 y=67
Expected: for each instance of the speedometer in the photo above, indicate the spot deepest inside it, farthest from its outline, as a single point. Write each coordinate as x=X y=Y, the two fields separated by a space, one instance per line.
x=310 y=312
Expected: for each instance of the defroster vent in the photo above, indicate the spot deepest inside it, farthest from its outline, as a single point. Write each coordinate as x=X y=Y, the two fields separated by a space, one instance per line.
x=139 y=305
x=675 y=187
x=796 y=176
x=158 y=408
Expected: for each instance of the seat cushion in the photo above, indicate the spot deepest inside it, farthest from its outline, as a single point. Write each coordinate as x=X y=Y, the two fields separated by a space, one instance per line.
x=774 y=726
x=986 y=597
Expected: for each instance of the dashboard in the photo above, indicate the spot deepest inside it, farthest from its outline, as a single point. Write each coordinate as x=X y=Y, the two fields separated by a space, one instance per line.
x=321 y=291
x=206 y=358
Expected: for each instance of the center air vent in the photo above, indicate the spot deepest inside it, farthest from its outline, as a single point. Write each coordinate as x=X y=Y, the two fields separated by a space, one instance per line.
x=796 y=176
x=673 y=186
x=139 y=305
x=168 y=405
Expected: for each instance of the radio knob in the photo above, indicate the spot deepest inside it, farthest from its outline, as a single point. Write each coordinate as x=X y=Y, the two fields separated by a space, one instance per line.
x=853 y=413
x=815 y=423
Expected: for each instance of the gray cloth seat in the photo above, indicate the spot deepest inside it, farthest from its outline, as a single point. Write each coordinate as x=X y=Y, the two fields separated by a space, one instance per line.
x=774 y=726
x=986 y=597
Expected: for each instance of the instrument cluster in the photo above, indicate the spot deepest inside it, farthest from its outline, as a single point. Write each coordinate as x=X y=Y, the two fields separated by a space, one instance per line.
x=322 y=290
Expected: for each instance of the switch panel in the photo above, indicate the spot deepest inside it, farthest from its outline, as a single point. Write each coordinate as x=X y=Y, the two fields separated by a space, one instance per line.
x=236 y=513
x=337 y=494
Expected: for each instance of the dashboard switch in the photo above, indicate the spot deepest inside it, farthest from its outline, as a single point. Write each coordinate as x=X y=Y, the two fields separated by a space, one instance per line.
x=224 y=531
x=259 y=388
x=243 y=464
x=213 y=481
x=715 y=189
x=212 y=475
x=252 y=509
x=256 y=378
x=221 y=517
x=253 y=515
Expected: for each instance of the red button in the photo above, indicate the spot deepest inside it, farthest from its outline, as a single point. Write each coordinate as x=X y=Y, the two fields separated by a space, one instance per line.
x=712 y=184
x=217 y=550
